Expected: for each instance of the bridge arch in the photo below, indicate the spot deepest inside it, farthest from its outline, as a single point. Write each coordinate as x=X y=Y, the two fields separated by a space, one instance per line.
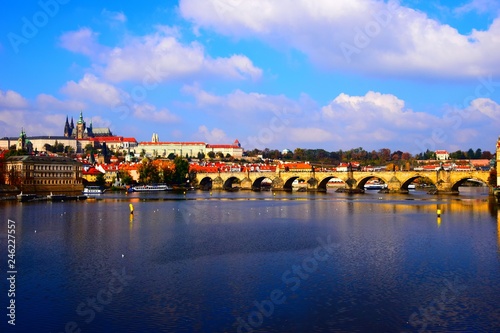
x=229 y=183
x=257 y=183
x=362 y=181
x=287 y=186
x=206 y=183
x=322 y=184
x=408 y=181
x=458 y=183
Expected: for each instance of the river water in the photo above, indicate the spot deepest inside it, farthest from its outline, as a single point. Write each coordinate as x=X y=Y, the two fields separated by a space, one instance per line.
x=255 y=262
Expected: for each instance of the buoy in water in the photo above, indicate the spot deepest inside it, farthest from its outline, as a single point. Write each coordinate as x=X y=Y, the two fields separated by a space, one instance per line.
x=438 y=212
x=131 y=209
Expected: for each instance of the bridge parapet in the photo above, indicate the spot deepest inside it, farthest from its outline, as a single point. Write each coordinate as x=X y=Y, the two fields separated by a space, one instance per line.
x=397 y=181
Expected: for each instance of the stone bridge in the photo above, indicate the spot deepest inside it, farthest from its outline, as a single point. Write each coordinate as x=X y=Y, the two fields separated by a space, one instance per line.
x=397 y=181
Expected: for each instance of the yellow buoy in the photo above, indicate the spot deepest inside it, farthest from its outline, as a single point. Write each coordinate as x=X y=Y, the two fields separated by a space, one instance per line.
x=438 y=212
x=131 y=209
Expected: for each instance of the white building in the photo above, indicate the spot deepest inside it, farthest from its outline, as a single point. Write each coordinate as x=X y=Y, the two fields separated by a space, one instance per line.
x=191 y=149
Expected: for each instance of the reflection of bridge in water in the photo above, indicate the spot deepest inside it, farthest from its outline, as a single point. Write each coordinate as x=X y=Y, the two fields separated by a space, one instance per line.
x=397 y=181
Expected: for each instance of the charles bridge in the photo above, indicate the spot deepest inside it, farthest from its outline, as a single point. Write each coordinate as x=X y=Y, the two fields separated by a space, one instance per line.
x=397 y=181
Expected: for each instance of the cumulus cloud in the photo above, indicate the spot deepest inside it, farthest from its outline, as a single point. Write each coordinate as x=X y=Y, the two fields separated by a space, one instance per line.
x=49 y=102
x=93 y=89
x=240 y=103
x=12 y=100
x=151 y=113
x=114 y=16
x=158 y=57
x=479 y=6
x=309 y=134
x=161 y=58
x=215 y=135
x=364 y=36
x=83 y=41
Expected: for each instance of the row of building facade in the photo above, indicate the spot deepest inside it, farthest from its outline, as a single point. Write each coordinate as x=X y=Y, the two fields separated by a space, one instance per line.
x=77 y=138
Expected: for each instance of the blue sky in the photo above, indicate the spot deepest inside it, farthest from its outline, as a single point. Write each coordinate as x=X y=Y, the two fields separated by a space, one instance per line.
x=409 y=75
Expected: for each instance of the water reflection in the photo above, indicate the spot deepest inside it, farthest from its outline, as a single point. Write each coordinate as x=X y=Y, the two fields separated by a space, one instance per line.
x=200 y=262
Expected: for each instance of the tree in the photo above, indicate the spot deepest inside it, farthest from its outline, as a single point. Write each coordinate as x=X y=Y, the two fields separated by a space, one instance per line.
x=299 y=154
x=470 y=153
x=14 y=177
x=211 y=154
x=148 y=173
x=171 y=156
x=88 y=148
x=124 y=177
x=478 y=153
x=201 y=155
x=228 y=155
x=492 y=180
x=181 y=170
x=48 y=147
x=486 y=155
x=100 y=179
x=219 y=154
x=59 y=148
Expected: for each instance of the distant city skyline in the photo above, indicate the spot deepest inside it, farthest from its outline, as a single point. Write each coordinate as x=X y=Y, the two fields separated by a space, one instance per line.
x=290 y=74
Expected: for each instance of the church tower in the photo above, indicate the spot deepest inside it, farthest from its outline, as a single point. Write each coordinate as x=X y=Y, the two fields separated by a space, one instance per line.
x=89 y=130
x=21 y=142
x=80 y=127
x=67 y=129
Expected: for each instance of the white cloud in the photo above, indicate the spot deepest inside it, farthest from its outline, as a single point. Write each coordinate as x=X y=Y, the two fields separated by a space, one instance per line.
x=375 y=117
x=83 y=41
x=243 y=104
x=356 y=35
x=215 y=135
x=12 y=100
x=49 y=102
x=149 y=112
x=114 y=16
x=93 y=89
x=309 y=134
x=479 y=6
x=158 y=57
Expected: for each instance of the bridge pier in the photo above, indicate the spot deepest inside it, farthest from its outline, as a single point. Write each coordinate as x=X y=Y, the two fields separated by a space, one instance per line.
x=312 y=184
x=444 y=185
x=246 y=184
x=394 y=186
x=218 y=183
x=278 y=184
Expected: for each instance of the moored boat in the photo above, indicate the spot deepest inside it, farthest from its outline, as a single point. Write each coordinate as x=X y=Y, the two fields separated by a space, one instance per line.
x=93 y=190
x=64 y=197
x=376 y=185
x=149 y=188
x=23 y=197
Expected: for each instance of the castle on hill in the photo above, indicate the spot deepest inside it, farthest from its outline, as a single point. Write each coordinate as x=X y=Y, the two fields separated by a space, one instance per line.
x=82 y=131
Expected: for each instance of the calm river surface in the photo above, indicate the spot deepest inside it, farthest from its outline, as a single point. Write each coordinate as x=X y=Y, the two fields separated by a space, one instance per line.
x=255 y=262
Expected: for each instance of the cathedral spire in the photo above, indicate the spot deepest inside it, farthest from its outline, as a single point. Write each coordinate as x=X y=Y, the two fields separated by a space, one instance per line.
x=67 y=129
